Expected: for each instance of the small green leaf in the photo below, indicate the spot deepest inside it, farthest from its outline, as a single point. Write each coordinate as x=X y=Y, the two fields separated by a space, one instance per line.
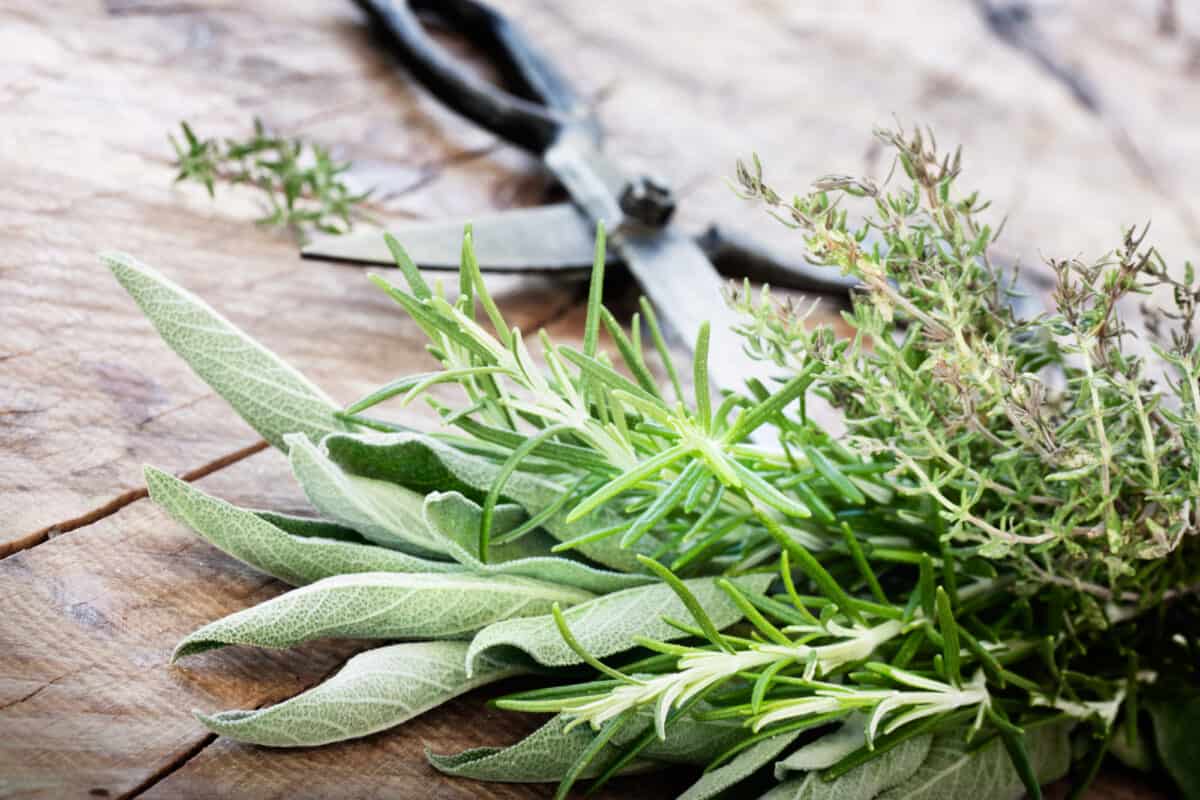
x=271 y=396
x=509 y=466
x=383 y=605
x=849 y=492
x=660 y=344
x=812 y=568
x=700 y=379
x=693 y=605
x=411 y=385
x=416 y=283
x=824 y=752
x=455 y=518
x=864 y=782
x=630 y=351
x=591 y=325
x=643 y=471
x=376 y=690
x=949 y=630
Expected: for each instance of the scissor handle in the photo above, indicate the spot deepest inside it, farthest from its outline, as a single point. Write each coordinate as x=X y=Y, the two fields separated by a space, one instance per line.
x=529 y=124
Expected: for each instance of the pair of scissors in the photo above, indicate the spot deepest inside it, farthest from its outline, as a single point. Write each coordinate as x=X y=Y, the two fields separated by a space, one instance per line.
x=550 y=120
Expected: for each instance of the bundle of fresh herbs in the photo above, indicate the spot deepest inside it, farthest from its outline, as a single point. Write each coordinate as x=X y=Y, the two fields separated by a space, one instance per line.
x=984 y=585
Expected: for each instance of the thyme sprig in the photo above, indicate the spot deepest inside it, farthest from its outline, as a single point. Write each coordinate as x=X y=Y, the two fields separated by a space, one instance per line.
x=1045 y=431
x=302 y=185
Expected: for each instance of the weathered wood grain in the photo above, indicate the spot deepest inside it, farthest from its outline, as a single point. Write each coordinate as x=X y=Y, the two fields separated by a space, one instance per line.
x=88 y=702
x=87 y=393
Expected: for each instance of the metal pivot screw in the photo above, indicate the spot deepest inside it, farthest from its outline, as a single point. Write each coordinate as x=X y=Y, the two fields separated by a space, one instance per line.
x=648 y=200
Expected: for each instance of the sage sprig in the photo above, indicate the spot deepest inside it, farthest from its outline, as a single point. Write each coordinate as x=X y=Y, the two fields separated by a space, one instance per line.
x=980 y=587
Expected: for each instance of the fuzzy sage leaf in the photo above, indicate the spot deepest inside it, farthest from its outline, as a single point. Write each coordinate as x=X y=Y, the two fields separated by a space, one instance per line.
x=864 y=782
x=270 y=395
x=424 y=464
x=544 y=755
x=294 y=559
x=609 y=624
x=740 y=767
x=456 y=517
x=381 y=605
x=952 y=770
x=376 y=690
x=383 y=512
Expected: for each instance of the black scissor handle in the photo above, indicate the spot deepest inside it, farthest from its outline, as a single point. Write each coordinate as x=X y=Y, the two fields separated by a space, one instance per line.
x=532 y=125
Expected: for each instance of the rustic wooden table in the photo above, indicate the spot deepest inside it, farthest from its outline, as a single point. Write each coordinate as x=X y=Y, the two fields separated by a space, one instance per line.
x=97 y=584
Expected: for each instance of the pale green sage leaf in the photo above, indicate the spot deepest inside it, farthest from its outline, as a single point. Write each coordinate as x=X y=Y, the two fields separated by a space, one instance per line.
x=457 y=517
x=383 y=605
x=376 y=690
x=425 y=464
x=608 y=624
x=545 y=755
x=270 y=395
x=865 y=781
x=382 y=511
x=952 y=771
x=740 y=767
x=248 y=537
x=824 y=752
x=309 y=526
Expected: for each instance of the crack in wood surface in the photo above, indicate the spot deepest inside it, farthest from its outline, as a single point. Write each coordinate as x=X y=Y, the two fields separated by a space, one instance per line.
x=187 y=755
x=120 y=501
x=1014 y=23
x=175 y=764
x=37 y=691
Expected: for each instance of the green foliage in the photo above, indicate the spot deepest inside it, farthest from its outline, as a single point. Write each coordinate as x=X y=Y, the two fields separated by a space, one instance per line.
x=250 y=538
x=269 y=394
x=382 y=605
x=546 y=754
x=301 y=184
x=998 y=554
x=609 y=624
x=1174 y=726
x=1042 y=438
x=413 y=677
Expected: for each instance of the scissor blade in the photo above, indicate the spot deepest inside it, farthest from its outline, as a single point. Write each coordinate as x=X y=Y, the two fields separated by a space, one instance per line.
x=686 y=290
x=671 y=268
x=555 y=238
